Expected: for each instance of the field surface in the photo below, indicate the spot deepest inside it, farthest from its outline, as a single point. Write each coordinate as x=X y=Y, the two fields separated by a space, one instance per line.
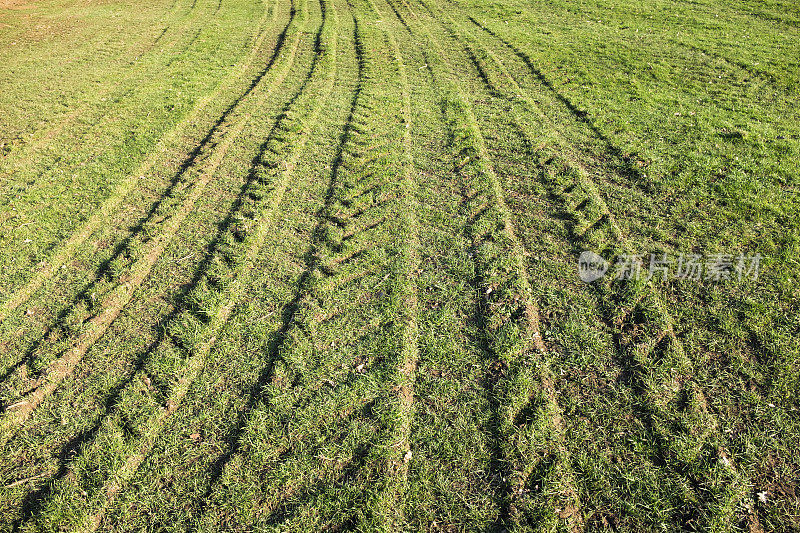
x=300 y=265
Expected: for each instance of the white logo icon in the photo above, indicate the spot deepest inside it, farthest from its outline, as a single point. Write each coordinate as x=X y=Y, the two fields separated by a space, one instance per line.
x=591 y=266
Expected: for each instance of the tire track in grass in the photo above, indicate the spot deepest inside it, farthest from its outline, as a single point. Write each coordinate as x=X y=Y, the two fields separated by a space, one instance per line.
x=92 y=115
x=371 y=170
x=511 y=317
x=652 y=351
x=275 y=172
x=172 y=6
x=134 y=73
x=67 y=250
x=211 y=137
x=221 y=140
x=622 y=164
x=317 y=376
x=145 y=367
x=168 y=26
x=45 y=135
x=294 y=314
x=659 y=348
x=653 y=358
x=144 y=227
x=113 y=266
x=71 y=247
x=17 y=413
x=408 y=305
x=456 y=477
x=221 y=435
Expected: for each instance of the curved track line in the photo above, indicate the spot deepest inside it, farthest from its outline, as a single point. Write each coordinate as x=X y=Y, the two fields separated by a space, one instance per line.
x=365 y=166
x=234 y=291
x=409 y=355
x=122 y=294
x=68 y=249
x=590 y=187
x=411 y=260
x=477 y=162
x=293 y=322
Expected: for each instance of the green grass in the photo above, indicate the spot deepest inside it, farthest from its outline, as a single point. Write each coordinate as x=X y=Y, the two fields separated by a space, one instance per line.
x=311 y=264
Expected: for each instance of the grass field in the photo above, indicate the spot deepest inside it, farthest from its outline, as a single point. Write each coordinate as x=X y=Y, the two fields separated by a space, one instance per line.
x=299 y=265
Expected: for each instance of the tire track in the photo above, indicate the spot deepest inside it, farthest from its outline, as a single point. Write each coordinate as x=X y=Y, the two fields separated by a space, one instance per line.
x=621 y=164
x=295 y=314
x=511 y=314
x=161 y=208
x=455 y=443
x=69 y=248
x=130 y=247
x=407 y=311
x=276 y=169
x=313 y=369
x=662 y=348
x=221 y=140
x=145 y=367
x=195 y=496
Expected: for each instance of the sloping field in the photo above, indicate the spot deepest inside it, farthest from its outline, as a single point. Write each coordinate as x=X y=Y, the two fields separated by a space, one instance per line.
x=302 y=265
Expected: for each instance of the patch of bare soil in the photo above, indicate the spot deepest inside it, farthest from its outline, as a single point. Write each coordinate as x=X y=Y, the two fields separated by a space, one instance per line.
x=16 y=4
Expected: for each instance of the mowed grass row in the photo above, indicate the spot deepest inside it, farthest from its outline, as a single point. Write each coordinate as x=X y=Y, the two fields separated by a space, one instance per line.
x=345 y=294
